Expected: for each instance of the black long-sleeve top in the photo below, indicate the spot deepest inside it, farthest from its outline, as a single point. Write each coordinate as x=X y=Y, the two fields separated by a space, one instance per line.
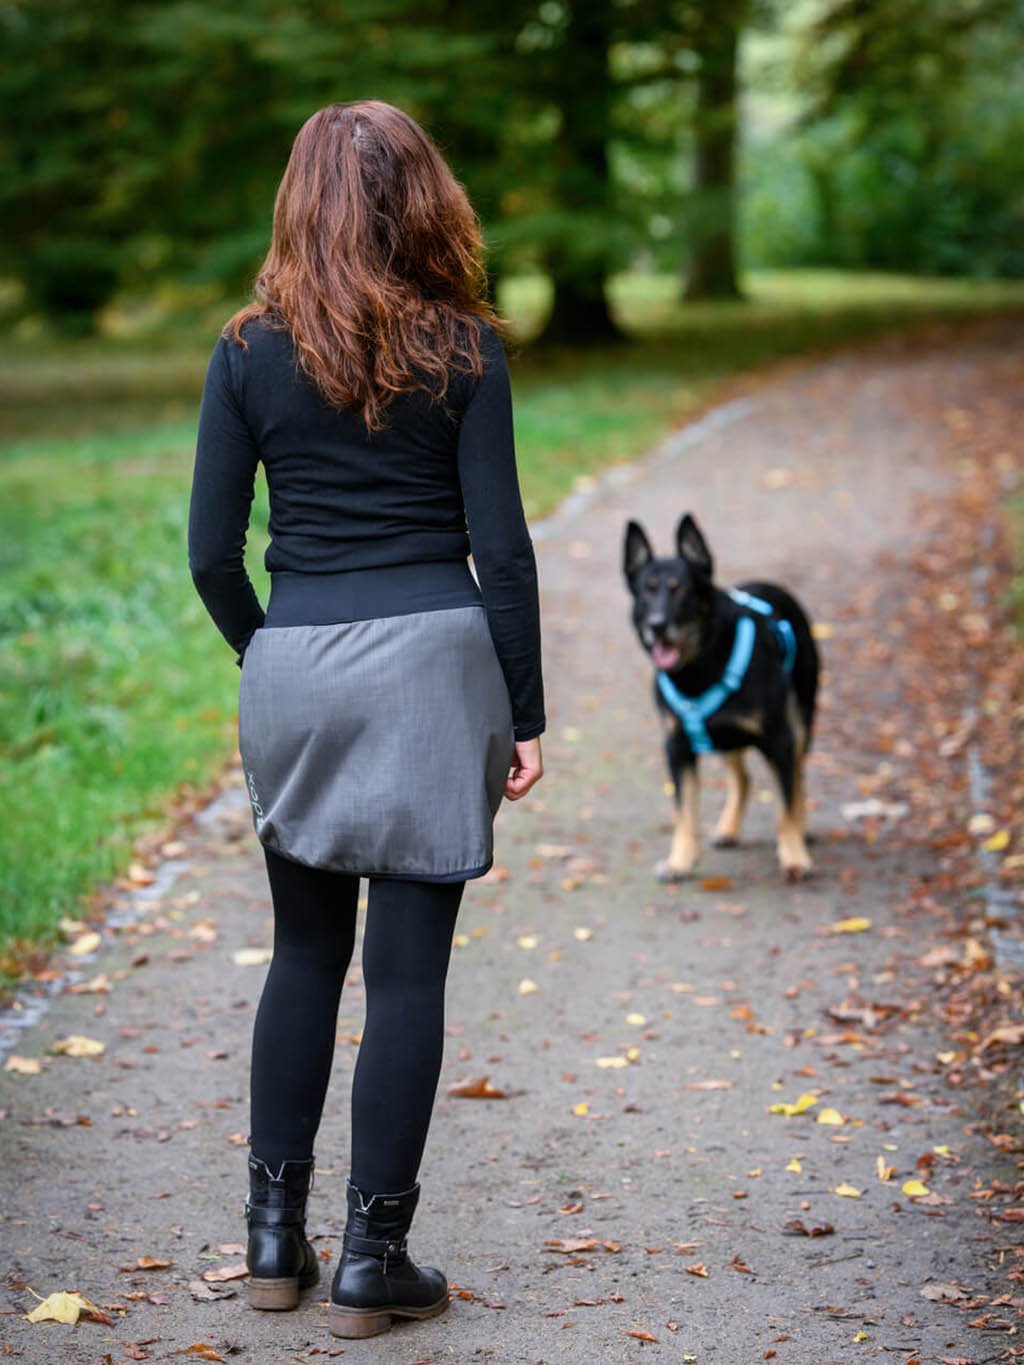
x=439 y=480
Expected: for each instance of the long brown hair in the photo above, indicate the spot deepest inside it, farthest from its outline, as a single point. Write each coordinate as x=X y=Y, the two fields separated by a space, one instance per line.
x=375 y=263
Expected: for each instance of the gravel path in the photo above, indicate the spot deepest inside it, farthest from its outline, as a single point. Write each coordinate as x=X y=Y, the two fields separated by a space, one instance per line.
x=597 y=1213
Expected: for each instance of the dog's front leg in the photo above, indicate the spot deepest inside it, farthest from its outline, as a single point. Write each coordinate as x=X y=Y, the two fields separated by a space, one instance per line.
x=682 y=767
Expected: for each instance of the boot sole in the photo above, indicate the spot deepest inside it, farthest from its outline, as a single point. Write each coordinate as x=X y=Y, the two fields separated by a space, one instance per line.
x=354 y=1323
x=276 y=1296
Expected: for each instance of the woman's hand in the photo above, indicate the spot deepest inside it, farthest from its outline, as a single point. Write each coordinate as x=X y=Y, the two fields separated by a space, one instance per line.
x=527 y=768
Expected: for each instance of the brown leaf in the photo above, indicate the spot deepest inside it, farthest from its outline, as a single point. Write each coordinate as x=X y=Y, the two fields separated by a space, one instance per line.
x=571 y=1245
x=475 y=1088
x=210 y=1293
x=798 y=1228
x=712 y=1084
x=944 y=1293
x=720 y=883
x=149 y=1263
x=640 y=1334
x=236 y=1271
x=202 y=1349
x=698 y=1268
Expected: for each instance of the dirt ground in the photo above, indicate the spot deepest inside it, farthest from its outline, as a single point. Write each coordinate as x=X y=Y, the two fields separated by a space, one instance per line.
x=632 y=1194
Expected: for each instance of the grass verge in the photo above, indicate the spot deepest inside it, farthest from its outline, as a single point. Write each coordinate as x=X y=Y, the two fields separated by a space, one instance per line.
x=115 y=688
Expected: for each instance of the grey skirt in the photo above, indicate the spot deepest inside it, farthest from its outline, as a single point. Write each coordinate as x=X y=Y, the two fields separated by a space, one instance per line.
x=378 y=747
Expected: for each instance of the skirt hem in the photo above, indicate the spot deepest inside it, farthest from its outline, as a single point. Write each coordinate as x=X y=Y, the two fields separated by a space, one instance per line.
x=463 y=875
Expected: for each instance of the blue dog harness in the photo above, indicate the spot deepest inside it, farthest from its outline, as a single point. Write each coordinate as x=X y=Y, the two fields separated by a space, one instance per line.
x=695 y=712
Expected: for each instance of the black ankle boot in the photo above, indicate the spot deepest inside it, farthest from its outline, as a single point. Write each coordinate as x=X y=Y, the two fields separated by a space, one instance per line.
x=375 y=1280
x=280 y=1260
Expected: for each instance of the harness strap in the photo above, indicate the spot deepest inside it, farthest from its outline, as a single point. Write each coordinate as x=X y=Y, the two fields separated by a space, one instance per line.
x=782 y=628
x=694 y=712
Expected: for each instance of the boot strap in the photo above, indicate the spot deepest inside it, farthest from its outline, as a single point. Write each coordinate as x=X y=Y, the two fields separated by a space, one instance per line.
x=263 y=1217
x=391 y=1250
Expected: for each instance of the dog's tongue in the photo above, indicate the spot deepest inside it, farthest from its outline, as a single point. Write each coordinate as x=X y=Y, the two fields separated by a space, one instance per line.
x=665 y=656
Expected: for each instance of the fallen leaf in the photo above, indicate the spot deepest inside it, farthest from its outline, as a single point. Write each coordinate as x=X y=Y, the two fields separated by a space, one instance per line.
x=203 y=1350
x=885 y=1173
x=76 y=1045
x=805 y=1102
x=831 y=1116
x=252 y=957
x=944 y=1293
x=85 y=944
x=208 y=1293
x=914 y=1189
x=150 y=1263
x=798 y=1228
x=23 y=1066
x=711 y=1084
x=846 y=1191
x=610 y=1062
x=527 y=940
x=66 y=1307
x=997 y=842
x=475 y=1088
x=794 y=1165
x=219 y=1274
x=640 y=1334
x=638 y=1020
x=572 y=1245
x=527 y=987
x=1011 y=1034
x=698 y=1268
x=581 y=1110
x=720 y=883
x=583 y=935
x=857 y=924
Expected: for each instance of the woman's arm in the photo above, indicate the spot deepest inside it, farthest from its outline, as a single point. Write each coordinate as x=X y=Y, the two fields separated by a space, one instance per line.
x=502 y=549
x=222 y=492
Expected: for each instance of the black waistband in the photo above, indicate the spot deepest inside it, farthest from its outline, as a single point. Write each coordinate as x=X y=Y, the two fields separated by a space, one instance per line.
x=323 y=599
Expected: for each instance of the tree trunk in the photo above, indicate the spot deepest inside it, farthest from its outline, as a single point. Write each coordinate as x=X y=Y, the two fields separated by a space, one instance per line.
x=580 y=315
x=711 y=268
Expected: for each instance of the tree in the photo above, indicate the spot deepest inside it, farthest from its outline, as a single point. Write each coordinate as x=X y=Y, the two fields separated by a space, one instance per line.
x=710 y=272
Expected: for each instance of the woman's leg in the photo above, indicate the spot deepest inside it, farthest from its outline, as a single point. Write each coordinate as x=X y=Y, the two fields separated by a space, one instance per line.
x=293 y=1037
x=407 y=944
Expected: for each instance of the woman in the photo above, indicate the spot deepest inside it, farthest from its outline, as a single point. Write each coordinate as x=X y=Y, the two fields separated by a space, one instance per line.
x=387 y=702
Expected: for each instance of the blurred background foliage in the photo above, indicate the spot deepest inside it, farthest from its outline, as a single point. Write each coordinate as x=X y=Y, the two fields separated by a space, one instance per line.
x=143 y=139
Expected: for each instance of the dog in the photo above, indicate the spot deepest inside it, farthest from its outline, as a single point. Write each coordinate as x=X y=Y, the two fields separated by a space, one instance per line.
x=734 y=670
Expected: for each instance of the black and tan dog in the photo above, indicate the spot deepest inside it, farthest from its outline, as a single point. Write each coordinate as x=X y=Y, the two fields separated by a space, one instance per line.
x=735 y=670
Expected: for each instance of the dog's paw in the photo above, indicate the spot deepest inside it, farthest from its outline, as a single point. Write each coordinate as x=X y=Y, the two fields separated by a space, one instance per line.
x=796 y=874
x=668 y=873
x=725 y=841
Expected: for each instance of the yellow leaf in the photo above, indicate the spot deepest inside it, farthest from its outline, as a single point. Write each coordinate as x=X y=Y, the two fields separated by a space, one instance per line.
x=609 y=1062
x=460 y=941
x=805 y=1102
x=252 y=957
x=581 y=1110
x=528 y=987
x=997 y=842
x=633 y=1054
x=88 y=943
x=583 y=934
x=76 y=1045
x=885 y=1173
x=821 y=630
x=794 y=1165
x=847 y=1191
x=982 y=823
x=946 y=1058
x=61 y=1307
x=861 y=1336
x=23 y=1066
x=832 y=1116
x=914 y=1189
x=527 y=940
x=856 y=925
x=941 y=1150
x=638 y=1019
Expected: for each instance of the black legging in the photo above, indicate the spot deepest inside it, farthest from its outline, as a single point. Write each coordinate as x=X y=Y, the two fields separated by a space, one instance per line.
x=406 y=947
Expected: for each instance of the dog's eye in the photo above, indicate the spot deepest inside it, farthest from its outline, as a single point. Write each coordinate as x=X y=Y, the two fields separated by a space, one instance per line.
x=650 y=588
x=672 y=584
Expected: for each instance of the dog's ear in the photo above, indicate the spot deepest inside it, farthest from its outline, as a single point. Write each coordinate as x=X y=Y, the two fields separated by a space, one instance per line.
x=693 y=547
x=636 y=550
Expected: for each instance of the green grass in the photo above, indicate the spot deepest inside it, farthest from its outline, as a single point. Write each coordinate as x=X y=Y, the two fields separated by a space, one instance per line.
x=115 y=688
